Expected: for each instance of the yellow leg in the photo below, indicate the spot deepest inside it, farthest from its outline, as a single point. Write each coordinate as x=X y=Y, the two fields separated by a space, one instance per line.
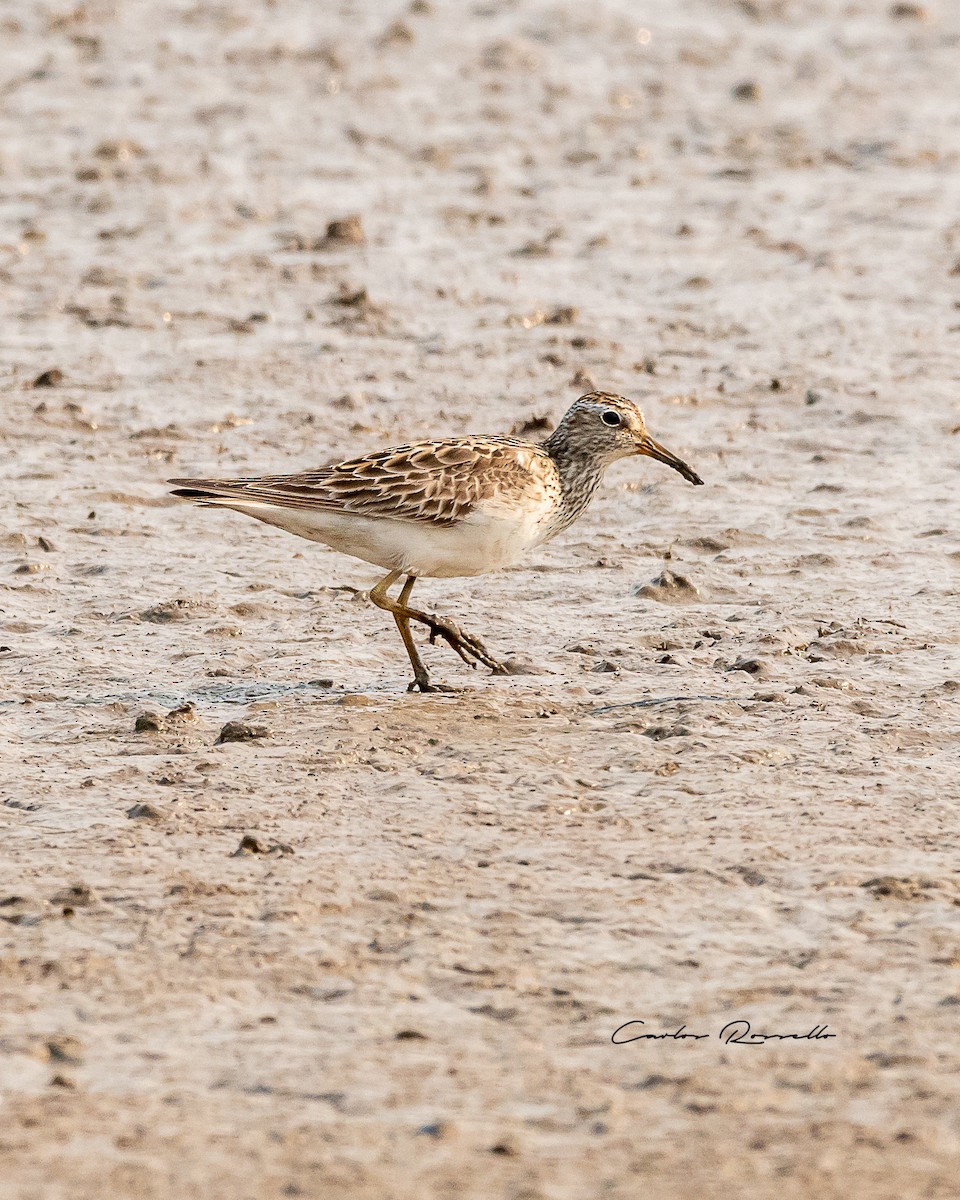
x=421 y=678
x=378 y=594
x=470 y=648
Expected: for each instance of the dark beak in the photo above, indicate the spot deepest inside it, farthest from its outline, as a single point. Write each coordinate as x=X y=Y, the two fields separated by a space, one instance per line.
x=646 y=445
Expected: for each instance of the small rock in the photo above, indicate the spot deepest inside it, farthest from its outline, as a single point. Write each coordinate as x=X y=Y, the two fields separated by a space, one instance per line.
x=900 y=889
x=748 y=91
x=521 y=664
x=149 y=722
x=496 y=1014
x=65 y=1049
x=751 y=666
x=711 y=544
x=397 y=34
x=605 y=667
x=668 y=588
x=660 y=733
x=79 y=895
x=252 y=845
x=506 y=1147
x=182 y=608
x=240 y=731
x=750 y=876
x=435 y=1129
x=144 y=812
x=909 y=12
x=185 y=713
x=355 y=700
x=249 y=845
x=563 y=314
x=48 y=379
x=348 y=298
x=347 y=231
x=121 y=149
x=154 y=722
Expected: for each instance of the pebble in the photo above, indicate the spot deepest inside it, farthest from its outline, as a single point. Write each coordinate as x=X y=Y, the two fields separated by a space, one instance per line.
x=78 y=895
x=521 y=664
x=48 y=379
x=144 y=812
x=154 y=722
x=748 y=91
x=668 y=588
x=252 y=845
x=239 y=731
x=149 y=722
x=751 y=666
x=65 y=1049
x=347 y=231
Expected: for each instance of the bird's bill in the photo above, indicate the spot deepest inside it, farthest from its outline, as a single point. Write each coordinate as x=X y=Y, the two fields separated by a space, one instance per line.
x=653 y=449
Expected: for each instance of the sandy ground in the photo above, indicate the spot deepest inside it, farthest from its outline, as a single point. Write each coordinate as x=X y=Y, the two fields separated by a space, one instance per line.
x=733 y=799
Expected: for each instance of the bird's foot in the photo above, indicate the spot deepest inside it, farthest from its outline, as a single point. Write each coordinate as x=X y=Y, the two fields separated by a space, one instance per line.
x=470 y=648
x=422 y=684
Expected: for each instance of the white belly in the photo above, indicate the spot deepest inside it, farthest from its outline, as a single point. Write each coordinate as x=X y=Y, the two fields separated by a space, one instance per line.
x=492 y=536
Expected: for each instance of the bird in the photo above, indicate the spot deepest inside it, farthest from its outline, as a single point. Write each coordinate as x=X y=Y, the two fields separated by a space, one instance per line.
x=445 y=508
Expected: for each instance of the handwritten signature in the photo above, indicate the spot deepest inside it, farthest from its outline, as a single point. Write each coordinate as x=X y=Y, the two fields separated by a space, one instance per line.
x=734 y=1033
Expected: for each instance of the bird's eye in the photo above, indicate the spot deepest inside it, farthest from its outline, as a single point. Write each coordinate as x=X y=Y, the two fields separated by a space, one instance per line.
x=611 y=418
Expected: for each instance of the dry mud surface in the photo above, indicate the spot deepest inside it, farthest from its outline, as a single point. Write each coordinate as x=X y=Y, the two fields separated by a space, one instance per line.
x=379 y=949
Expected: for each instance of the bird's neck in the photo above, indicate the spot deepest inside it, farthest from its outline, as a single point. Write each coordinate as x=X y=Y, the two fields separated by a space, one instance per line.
x=580 y=476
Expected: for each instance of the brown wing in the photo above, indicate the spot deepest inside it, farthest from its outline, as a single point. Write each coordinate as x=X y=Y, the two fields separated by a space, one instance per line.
x=438 y=482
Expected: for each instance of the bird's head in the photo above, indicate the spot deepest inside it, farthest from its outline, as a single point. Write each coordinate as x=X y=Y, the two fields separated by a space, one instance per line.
x=610 y=427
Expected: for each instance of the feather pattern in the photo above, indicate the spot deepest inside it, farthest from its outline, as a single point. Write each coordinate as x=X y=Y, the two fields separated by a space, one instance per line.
x=438 y=482
x=448 y=508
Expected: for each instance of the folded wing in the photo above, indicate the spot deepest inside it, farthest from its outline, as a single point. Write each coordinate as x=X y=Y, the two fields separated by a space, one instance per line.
x=439 y=482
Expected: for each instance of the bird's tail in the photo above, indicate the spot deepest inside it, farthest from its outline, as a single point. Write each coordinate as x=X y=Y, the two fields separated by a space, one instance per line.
x=206 y=492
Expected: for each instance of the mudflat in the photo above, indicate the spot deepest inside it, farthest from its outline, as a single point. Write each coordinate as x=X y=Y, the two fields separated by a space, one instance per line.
x=273 y=927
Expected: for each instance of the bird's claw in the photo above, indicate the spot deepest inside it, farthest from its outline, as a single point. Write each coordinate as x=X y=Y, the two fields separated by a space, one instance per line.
x=424 y=685
x=470 y=648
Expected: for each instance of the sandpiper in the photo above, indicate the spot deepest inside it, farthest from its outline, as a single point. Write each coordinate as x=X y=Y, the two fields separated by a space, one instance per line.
x=454 y=507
